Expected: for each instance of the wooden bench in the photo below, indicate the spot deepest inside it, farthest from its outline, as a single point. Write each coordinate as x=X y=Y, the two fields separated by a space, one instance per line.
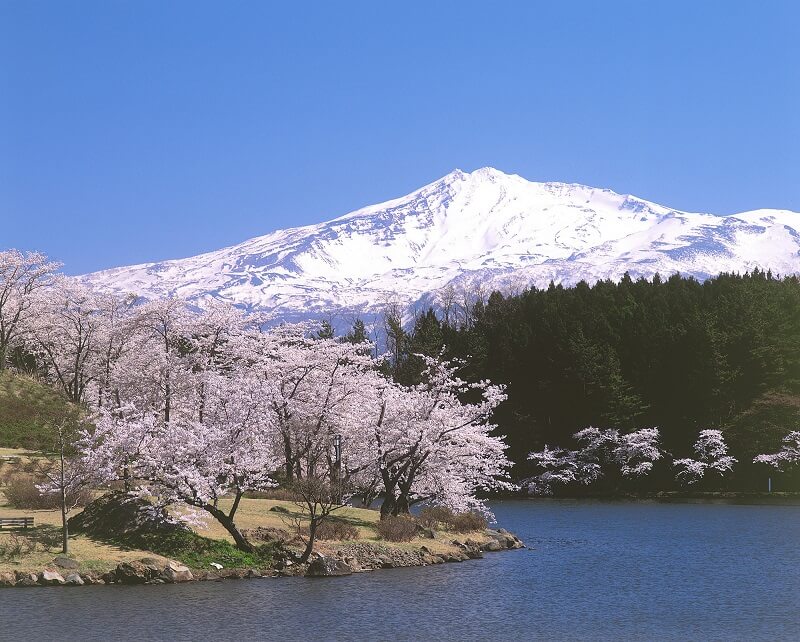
x=16 y=522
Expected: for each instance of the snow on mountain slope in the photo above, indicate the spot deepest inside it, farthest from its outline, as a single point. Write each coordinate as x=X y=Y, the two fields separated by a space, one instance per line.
x=483 y=228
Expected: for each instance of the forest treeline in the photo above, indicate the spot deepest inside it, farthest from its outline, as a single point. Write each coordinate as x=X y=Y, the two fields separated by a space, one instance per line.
x=714 y=363
x=675 y=353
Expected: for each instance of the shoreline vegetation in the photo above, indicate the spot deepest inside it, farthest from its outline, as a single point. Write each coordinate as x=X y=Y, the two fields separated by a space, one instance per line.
x=206 y=552
x=191 y=406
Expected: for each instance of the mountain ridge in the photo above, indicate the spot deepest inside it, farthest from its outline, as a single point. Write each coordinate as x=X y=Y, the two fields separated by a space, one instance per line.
x=466 y=230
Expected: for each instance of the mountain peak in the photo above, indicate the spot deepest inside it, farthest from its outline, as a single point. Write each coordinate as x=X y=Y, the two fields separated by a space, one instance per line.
x=481 y=173
x=473 y=231
x=489 y=172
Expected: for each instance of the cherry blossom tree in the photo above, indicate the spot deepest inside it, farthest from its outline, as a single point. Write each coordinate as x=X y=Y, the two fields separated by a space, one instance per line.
x=164 y=354
x=65 y=473
x=212 y=340
x=117 y=335
x=631 y=454
x=191 y=462
x=313 y=385
x=561 y=467
x=65 y=335
x=430 y=445
x=712 y=457
x=637 y=451
x=787 y=457
x=317 y=498
x=114 y=443
x=21 y=276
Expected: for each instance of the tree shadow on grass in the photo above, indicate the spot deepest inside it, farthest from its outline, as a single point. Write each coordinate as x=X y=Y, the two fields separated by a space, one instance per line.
x=46 y=536
x=18 y=542
x=294 y=515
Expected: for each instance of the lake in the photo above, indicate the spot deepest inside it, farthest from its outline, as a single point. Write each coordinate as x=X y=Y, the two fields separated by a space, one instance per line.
x=596 y=570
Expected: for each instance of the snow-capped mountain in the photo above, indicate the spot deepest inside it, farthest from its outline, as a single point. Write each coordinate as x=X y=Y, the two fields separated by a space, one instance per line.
x=465 y=230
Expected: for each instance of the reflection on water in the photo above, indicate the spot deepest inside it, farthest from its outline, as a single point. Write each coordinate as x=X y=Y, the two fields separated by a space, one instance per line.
x=596 y=570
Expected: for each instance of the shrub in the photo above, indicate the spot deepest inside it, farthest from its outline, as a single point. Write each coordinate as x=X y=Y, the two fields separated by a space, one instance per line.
x=435 y=517
x=336 y=529
x=397 y=529
x=467 y=522
x=267 y=534
x=15 y=546
x=21 y=492
x=444 y=518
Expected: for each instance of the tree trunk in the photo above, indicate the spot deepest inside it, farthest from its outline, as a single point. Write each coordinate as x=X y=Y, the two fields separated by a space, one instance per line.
x=389 y=505
x=126 y=477
x=401 y=506
x=167 y=400
x=201 y=411
x=287 y=452
x=241 y=541
x=64 y=526
x=389 y=494
x=312 y=534
x=403 y=503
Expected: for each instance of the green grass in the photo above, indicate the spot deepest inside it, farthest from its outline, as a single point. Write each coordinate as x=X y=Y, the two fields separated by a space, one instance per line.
x=26 y=407
x=197 y=551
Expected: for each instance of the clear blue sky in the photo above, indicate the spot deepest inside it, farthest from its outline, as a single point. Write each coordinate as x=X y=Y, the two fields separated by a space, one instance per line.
x=143 y=130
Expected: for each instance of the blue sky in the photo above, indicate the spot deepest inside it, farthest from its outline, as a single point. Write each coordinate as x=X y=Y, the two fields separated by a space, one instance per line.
x=140 y=131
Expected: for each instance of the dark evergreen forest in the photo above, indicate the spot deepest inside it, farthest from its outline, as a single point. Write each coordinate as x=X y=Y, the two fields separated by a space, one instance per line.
x=678 y=354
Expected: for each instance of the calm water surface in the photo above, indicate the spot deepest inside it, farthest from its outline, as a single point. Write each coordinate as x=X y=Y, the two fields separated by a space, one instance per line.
x=596 y=570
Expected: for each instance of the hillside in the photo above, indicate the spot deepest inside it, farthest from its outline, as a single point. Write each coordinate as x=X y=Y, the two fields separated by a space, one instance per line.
x=25 y=408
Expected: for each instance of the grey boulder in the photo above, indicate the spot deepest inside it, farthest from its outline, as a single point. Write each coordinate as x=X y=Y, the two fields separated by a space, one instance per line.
x=73 y=579
x=65 y=562
x=328 y=567
x=175 y=572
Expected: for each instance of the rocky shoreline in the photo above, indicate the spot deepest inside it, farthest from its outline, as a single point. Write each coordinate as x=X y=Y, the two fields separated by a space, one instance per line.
x=349 y=558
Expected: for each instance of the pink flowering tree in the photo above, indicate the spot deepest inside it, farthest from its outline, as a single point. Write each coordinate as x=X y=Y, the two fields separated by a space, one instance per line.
x=185 y=461
x=711 y=457
x=787 y=457
x=314 y=387
x=22 y=275
x=65 y=335
x=430 y=445
x=600 y=451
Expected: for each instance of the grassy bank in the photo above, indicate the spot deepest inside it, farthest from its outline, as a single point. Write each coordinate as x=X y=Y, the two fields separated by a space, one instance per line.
x=205 y=544
x=26 y=408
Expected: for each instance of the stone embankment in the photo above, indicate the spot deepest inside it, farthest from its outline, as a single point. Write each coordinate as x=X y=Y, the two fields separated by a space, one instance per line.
x=349 y=558
x=64 y=572
x=366 y=556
